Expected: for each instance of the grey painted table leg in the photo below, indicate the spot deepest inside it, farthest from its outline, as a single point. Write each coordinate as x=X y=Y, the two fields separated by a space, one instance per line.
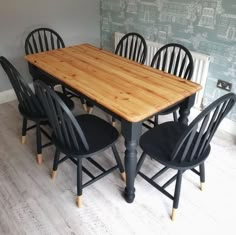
x=184 y=110
x=131 y=133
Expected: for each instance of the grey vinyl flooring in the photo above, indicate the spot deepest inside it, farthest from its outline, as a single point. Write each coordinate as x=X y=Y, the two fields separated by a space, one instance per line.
x=31 y=203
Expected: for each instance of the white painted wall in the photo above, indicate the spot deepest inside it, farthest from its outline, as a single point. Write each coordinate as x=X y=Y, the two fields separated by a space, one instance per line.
x=77 y=21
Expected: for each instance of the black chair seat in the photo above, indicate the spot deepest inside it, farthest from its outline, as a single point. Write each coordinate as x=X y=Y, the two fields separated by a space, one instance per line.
x=94 y=128
x=160 y=142
x=68 y=102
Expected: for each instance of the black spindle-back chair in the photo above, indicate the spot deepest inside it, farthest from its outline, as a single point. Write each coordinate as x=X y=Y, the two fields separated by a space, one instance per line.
x=29 y=105
x=175 y=59
x=45 y=39
x=181 y=147
x=132 y=46
x=40 y=40
x=78 y=138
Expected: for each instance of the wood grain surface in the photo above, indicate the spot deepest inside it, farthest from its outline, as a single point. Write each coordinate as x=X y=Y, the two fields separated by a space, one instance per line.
x=130 y=90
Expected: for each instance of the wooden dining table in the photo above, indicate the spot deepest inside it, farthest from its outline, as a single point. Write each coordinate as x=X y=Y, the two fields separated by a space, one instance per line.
x=129 y=91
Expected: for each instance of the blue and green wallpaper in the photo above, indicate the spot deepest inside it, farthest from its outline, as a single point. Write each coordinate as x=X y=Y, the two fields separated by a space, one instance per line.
x=204 y=26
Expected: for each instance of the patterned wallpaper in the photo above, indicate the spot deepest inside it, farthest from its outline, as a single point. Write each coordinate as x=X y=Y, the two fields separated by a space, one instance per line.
x=205 y=26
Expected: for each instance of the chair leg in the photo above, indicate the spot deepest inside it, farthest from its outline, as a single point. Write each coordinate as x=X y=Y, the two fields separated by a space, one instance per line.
x=175 y=116
x=85 y=107
x=89 y=107
x=24 y=130
x=79 y=183
x=119 y=163
x=64 y=90
x=90 y=110
x=39 y=144
x=176 y=194
x=202 y=176
x=156 y=120
x=113 y=121
x=140 y=162
x=55 y=164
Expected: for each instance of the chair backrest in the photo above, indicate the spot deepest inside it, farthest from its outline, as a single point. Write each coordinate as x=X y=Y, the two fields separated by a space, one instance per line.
x=195 y=141
x=29 y=103
x=42 y=39
x=132 y=46
x=175 y=59
x=67 y=131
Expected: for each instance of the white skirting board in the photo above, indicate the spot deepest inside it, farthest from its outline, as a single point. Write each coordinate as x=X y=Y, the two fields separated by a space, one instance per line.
x=226 y=125
x=7 y=96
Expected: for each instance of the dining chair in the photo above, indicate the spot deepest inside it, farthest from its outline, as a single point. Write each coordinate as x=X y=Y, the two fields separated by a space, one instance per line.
x=78 y=138
x=132 y=46
x=40 y=40
x=45 y=39
x=174 y=59
x=181 y=148
x=29 y=106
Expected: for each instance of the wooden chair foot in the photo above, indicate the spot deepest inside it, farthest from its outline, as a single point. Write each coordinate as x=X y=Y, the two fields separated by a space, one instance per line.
x=39 y=158
x=202 y=186
x=90 y=110
x=79 y=201
x=85 y=107
x=23 y=139
x=123 y=176
x=53 y=175
x=173 y=214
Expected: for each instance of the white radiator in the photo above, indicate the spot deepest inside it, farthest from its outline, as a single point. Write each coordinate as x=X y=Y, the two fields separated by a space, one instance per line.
x=201 y=65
